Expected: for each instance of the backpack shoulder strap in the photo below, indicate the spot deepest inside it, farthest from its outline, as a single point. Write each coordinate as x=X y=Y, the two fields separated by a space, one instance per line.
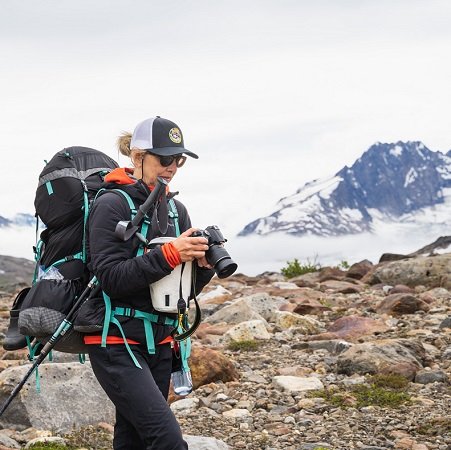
x=174 y=215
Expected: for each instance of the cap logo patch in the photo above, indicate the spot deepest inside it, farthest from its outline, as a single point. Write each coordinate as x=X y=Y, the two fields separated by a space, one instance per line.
x=175 y=135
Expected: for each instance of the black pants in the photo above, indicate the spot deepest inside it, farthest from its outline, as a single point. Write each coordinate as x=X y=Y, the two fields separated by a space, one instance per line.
x=144 y=420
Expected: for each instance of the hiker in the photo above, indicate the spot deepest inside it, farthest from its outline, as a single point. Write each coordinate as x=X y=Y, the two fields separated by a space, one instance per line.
x=143 y=417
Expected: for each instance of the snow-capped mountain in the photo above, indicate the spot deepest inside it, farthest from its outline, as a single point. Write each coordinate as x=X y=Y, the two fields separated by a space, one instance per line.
x=402 y=182
x=20 y=220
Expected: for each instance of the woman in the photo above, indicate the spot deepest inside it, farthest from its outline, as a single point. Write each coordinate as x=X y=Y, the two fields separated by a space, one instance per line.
x=139 y=391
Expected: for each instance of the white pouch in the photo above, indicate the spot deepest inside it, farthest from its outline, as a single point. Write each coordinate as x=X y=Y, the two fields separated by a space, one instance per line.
x=165 y=293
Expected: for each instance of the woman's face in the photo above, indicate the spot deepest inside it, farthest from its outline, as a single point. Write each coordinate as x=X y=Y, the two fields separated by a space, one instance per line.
x=152 y=168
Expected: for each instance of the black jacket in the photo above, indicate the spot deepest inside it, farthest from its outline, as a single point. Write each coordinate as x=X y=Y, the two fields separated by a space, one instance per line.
x=124 y=276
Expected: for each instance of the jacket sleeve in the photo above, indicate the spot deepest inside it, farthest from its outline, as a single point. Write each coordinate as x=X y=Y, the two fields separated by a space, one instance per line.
x=112 y=260
x=203 y=275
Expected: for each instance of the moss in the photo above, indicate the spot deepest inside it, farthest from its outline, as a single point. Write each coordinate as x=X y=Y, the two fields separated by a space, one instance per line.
x=245 y=346
x=390 y=381
x=92 y=437
x=387 y=391
x=378 y=396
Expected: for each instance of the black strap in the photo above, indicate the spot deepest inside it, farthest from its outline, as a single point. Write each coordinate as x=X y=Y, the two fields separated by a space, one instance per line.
x=197 y=317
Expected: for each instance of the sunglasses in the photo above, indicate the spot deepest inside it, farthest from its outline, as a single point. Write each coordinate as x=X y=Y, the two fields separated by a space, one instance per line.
x=166 y=161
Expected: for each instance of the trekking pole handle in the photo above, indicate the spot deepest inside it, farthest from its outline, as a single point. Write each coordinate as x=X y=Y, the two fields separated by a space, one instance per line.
x=151 y=201
x=125 y=229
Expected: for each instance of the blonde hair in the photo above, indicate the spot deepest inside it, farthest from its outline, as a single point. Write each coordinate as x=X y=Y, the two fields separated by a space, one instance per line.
x=123 y=143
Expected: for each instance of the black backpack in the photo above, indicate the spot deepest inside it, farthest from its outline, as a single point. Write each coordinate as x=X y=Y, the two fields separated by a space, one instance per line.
x=67 y=187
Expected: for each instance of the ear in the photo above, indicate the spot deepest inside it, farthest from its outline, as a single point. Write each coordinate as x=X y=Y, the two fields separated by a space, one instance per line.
x=137 y=159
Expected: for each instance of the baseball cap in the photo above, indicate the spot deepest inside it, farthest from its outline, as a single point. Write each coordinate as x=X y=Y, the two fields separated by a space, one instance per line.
x=159 y=136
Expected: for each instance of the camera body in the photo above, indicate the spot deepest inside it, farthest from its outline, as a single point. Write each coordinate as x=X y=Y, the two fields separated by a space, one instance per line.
x=217 y=256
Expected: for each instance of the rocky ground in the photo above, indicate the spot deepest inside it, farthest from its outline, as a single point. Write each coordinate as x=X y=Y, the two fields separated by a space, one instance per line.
x=357 y=359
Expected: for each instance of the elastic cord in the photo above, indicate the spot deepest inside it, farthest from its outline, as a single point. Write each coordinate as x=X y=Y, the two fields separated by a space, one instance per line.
x=171 y=254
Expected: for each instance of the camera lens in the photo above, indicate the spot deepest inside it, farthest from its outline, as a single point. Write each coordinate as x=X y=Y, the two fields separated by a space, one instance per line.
x=225 y=267
x=220 y=259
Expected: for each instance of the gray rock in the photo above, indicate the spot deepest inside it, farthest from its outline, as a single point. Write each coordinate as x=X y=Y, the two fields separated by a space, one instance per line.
x=6 y=441
x=334 y=346
x=315 y=445
x=298 y=384
x=397 y=356
x=431 y=271
x=68 y=390
x=246 y=331
x=218 y=291
x=430 y=376
x=185 y=405
x=264 y=304
x=237 y=312
x=205 y=443
x=446 y=323
x=446 y=353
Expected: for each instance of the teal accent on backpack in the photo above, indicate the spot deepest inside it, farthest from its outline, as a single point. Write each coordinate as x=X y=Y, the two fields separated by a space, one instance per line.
x=67 y=186
x=147 y=318
x=48 y=185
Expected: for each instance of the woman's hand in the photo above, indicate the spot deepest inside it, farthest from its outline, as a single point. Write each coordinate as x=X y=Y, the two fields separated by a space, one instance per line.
x=191 y=248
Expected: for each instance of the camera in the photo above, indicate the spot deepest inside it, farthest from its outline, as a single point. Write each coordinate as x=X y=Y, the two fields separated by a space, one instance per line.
x=217 y=256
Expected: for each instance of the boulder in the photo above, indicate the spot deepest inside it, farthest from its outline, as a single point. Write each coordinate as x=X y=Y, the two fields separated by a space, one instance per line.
x=430 y=271
x=426 y=376
x=351 y=328
x=359 y=269
x=70 y=396
x=331 y=273
x=217 y=295
x=264 y=304
x=309 y=306
x=310 y=280
x=238 y=311
x=304 y=325
x=397 y=304
x=401 y=289
x=208 y=366
x=294 y=385
x=390 y=356
x=247 y=331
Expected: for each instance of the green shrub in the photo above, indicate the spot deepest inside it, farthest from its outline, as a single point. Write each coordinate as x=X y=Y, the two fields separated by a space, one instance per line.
x=389 y=381
x=382 y=390
x=378 y=396
x=295 y=268
x=343 y=265
x=244 y=346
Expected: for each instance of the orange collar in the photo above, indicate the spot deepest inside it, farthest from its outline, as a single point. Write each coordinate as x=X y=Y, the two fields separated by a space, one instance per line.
x=121 y=175
x=124 y=175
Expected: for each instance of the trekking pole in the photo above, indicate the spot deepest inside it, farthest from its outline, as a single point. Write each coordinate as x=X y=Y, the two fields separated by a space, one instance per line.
x=125 y=229
x=62 y=329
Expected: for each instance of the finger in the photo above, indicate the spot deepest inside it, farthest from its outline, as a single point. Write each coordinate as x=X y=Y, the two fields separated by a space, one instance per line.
x=197 y=254
x=198 y=240
x=188 y=232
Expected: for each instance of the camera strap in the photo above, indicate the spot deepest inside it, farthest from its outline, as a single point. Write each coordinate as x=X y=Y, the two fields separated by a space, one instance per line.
x=183 y=331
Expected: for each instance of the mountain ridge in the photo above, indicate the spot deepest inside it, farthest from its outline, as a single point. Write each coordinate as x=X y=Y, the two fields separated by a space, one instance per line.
x=389 y=181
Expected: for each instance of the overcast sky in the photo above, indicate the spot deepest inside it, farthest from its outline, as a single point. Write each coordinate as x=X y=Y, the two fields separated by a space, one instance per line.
x=270 y=94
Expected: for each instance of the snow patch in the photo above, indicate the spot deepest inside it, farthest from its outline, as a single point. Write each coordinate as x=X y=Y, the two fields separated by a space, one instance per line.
x=325 y=186
x=396 y=151
x=410 y=176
